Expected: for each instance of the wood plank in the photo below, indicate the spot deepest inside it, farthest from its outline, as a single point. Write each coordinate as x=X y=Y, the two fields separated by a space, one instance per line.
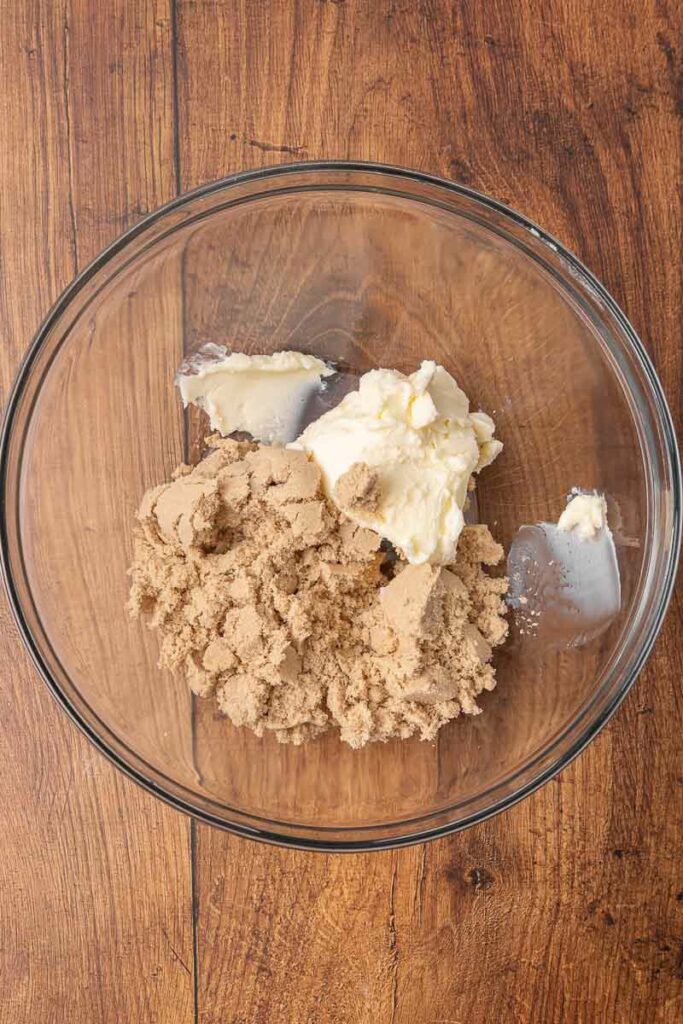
x=96 y=913
x=564 y=909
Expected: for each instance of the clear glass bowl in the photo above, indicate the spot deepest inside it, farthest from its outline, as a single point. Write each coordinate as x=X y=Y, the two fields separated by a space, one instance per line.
x=363 y=265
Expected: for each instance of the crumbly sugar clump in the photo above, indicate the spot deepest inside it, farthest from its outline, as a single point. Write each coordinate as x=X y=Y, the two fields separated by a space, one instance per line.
x=293 y=618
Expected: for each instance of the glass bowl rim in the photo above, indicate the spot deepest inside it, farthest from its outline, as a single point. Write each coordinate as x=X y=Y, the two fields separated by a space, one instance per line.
x=589 y=730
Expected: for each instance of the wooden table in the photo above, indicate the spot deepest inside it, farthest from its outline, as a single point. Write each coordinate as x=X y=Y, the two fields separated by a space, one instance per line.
x=114 y=908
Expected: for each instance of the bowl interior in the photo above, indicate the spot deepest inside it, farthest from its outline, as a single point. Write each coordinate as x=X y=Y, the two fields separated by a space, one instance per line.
x=365 y=273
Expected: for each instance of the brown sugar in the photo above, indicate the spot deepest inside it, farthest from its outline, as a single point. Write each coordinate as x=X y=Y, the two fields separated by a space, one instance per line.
x=293 y=618
x=358 y=489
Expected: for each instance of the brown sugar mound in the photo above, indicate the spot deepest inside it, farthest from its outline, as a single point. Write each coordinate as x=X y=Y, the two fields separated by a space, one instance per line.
x=293 y=618
x=358 y=489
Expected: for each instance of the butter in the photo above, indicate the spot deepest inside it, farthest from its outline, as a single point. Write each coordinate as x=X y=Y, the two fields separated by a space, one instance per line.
x=586 y=514
x=263 y=395
x=422 y=444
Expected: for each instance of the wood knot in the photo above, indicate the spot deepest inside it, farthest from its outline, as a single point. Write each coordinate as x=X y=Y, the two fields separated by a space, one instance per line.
x=480 y=879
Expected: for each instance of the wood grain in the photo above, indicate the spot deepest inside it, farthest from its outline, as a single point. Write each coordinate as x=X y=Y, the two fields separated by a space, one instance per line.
x=565 y=910
x=95 y=911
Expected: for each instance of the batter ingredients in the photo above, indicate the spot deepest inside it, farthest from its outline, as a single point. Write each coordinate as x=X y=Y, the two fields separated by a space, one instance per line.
x=585 y=513
x=289 y=612
x=417 y=435
x=262 y=395
x=564 y=577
